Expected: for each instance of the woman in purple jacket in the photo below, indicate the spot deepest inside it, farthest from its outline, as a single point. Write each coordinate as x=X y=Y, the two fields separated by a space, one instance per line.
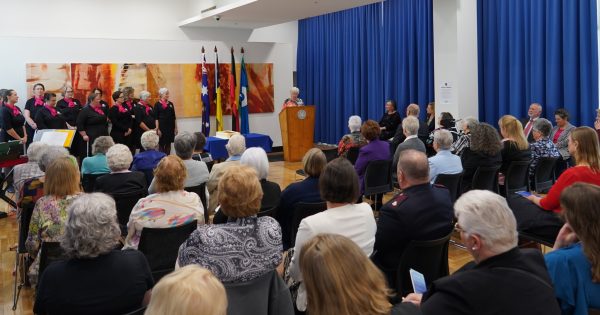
x=374 y=150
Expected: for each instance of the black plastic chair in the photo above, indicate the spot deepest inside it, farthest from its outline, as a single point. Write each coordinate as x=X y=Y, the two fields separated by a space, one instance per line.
x=88 y=181
x=352 y=154
x=378 y=179
x=543 y=174
x=200 y=190
x=161 y=246
x=50 y=252
x=210 y=165
x=303 y=210
x=452 y=182
x=139 y=311
x=516 y=176
x=486 y=178
x=525 y=236
x=271 y=212
x=125 y=203
x=149 y=174
x=427 y=257
x=330 y=153
x=267 y=294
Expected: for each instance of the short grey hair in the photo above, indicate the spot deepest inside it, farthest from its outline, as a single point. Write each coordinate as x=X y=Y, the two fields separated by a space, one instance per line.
x=50 y=154
x=487 y=214
x=236 y=145
x=295 y=90
x=162 y=91
x=119 y=158
x=469 y=122
x=102 y=144
x=35 y=151
x=443 y=138
x=411 y=125
x=91 y=228
x=149 y=140
x=144 y=95
x=257 y=159
x=185 y=143
x=354 y=123
x=543 y=125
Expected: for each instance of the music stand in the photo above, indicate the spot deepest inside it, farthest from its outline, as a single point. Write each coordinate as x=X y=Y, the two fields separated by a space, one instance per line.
x=11 y=154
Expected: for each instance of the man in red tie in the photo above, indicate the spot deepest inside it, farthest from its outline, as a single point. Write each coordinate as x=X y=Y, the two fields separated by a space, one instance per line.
x=534 y=112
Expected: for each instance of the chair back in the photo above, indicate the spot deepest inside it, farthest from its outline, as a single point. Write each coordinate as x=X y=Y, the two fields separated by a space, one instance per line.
x=33 y=189
x=330 y=153
x=486 y=178
x=352 y=154
x=50 y=252
x=161 y=246
x=200 y=190
x=210 y=165
x=452 y=182
x=427 y=257
x=543 y=174
x=139 y=311
x=270 y=212
x=378 y=177
x=303 y=210
x=149 y=174
x=267 y=294
x=516 y=176
x=88 y=181
x=125 y=203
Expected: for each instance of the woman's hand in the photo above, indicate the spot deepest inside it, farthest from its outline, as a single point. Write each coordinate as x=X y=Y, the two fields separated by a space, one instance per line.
x=158 y=132
x=597 y=124
x=24 y=139
x=33 y=125
x=565 y=237
x=535 y=199
x=413 y=298
x=128 y=132
x=86 y=138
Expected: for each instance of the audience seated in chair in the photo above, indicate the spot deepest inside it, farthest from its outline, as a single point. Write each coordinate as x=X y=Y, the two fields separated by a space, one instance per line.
x=514 y=144
x=484 y=151
x=253 y=243
x=47 y=223
x=540 y=216
x=574 y=265
x=170 y=206
x=412 y=110
x=446 y=122
x=96 y=279
x=340 y=279
x=533 y=114
x=197 y=171
x=339 y=188
x=560 y=137
x=444 y=162
x=257 y=159
x=199 y=153
x=235 y=147
x=411 y=142
x=31 y=169
x=189 y=290
x=149 y=158
x=542 y=146
x=120 y=180
x=97 y=163
x=503 y=280
x=464 y=137
x=354 y=139
x=307 y=191
x=374 y=150
x=421 y=212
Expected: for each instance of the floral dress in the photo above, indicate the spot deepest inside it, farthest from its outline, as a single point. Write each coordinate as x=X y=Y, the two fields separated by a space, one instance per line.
x=351 y=140
x=47 y=225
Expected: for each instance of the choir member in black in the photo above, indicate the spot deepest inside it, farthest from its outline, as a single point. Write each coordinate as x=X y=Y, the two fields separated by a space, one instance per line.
x=32 y=106
x=49 y=117
x=120 y=117
x=91 y=123
x=166 y=122
x=128 y=99
x=103 y=103
x=144 y=118
x=13 y=120
x=2 y=95
x=390 y=121
x=69 y=109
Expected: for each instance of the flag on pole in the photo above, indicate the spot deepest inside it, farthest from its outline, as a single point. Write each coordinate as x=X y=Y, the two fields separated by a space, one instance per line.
x=235 y=121
x=243 y=102
x=205 y=98
x=219 y=114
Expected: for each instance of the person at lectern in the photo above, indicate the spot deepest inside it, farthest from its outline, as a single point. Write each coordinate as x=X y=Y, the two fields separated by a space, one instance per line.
x=294 y=100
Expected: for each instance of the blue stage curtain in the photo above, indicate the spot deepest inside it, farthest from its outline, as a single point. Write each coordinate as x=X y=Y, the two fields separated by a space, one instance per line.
x=542 y=51
x=350 y=62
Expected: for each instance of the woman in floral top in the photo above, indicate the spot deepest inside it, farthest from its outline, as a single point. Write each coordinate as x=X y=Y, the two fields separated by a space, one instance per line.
x=353 y=139
x=61 y=187
x=171 y=206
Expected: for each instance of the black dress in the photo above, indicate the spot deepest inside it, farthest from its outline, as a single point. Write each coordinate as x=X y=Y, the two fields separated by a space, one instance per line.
x=391 y=123
x=33 y=110
x=120 y=117
x=93 y=123
x=166 y=122
x=45 y=120
x=70 y=115
x=11 y=121
x=144 y=115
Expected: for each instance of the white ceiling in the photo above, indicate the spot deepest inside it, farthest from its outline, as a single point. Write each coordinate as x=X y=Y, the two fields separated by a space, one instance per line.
x=251 y=14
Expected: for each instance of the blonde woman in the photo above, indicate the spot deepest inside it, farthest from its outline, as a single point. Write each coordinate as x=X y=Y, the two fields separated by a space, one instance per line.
x=189 y=290
x=514 y=144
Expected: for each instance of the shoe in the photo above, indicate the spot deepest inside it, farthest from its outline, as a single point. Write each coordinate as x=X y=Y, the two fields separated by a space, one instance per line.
x=10 y=189
x=3 y=215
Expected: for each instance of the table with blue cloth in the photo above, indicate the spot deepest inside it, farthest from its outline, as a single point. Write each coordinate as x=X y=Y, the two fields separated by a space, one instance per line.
x=216 y=146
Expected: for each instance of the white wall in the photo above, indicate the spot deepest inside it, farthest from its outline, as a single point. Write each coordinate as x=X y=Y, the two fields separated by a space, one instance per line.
x=455 y=56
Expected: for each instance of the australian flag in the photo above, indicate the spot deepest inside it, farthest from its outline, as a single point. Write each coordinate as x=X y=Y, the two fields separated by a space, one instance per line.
x=205 y=100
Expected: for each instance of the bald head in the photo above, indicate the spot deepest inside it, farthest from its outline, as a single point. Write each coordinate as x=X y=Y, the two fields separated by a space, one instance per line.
x=413 y=110
x=413 y=168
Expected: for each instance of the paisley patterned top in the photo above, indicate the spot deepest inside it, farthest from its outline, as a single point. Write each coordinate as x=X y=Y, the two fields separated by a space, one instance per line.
x=162 y=210
x=237 y=251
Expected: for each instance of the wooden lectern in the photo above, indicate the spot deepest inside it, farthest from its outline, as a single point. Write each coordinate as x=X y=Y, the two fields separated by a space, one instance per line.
x=297 y=131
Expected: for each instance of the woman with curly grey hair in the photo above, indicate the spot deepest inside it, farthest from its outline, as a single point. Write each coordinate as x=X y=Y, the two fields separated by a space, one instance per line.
x=96 y=279
x=120 y=180
x=97 y=164
x=485 y=151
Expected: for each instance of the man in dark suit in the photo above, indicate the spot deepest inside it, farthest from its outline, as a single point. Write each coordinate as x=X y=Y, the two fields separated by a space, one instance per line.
x=399 y=137
x=534 y=112
x=421 y=212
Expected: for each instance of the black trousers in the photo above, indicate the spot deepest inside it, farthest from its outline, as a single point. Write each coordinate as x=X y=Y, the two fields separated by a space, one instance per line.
x=533 y=219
